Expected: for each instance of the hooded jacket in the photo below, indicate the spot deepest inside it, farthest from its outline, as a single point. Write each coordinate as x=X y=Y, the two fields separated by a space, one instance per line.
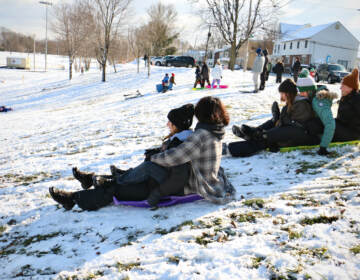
x=216 y=72
x=349 y=111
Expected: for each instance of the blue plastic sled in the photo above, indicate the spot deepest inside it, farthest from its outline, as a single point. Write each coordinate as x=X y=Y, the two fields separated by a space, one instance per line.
x=159 y=87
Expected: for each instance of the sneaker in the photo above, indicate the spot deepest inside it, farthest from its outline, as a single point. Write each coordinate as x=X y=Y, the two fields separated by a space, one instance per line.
x=84 y=178
x=236 y=130
x=62 y=197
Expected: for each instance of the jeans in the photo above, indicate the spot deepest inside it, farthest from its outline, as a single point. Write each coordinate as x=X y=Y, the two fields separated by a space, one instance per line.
x=143 y=173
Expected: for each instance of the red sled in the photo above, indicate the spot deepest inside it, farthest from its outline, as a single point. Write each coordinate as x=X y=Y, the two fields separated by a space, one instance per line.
x=215 y=86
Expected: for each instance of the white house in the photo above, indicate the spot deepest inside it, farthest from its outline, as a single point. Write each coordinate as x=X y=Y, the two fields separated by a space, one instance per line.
x=327 y=43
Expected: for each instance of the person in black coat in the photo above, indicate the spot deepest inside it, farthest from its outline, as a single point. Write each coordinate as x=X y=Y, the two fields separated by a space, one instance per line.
x=287 y=128
x=204 y=74
x=265 y=69
x=279 y=70
x=296 y=69
x=148 y=180
x=198 y=79
x=348 y=117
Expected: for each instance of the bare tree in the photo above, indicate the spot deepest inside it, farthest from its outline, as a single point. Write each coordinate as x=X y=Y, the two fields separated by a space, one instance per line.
x=109 y=15
x=238 y=20
x=72 y=24
x=134 y=42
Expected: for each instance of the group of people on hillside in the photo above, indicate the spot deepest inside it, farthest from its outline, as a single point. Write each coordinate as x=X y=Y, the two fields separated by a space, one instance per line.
x=202 y=75
x=189 y=161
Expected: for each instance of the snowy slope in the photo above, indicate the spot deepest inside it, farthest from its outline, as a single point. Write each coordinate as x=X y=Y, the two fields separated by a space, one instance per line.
x=57 y=124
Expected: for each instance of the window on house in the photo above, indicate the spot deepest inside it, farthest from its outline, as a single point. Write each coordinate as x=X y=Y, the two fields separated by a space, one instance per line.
x=291 y=46
x=285 y=46
x=298 y=44
x=306 y=43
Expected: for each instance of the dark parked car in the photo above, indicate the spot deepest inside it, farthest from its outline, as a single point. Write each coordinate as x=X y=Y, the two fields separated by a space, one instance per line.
x=330 y=72
x=181 y=61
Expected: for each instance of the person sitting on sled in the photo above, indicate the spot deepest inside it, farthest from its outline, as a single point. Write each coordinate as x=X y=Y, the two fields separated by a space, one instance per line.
x=321 y=99
x=216 y=73
x=165 y=82
x=187 y=163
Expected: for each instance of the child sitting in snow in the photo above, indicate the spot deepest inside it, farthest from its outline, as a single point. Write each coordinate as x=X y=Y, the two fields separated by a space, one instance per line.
x=165 y=82
x=321 y=100
x=172 y=81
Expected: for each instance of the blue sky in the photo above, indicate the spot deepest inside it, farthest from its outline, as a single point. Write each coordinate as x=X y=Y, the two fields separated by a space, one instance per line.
x=28 y=16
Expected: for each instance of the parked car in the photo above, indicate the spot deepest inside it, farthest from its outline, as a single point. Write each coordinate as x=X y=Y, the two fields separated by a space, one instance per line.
x=181 y=61
x=168 y=57
x=331 y=73
x=302 y=66
x=156 y=60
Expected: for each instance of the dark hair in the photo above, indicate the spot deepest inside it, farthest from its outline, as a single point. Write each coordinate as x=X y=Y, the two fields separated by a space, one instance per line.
x=289 y=88
x=211 y=110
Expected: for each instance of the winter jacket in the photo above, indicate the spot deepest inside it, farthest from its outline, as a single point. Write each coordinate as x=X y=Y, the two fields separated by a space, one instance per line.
x=321 y=103
x=203 y=150
x=297 y=66
x=205 y=71
x=198 y=73
x=216 y=72
x=165 y=81
x=172 y=80
x=300 y=113
x=258 y=64
x=266 y=62
x=349 y=111
x=279 y=68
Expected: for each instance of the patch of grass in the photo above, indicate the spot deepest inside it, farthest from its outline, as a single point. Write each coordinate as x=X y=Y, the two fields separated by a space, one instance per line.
x=20 y=179
x=305 y=166
x=204 y=239
x=294 y=235
x=127 y=266
x=243 y=218
x=256 y=261
x=174 y=259
x=217 y=221
x=355 y=250
x=56 y=249
x=255 y=202
x=40 y=237
x=2 y=229
x=319 y=220
x=94 y=275
x=320 y=253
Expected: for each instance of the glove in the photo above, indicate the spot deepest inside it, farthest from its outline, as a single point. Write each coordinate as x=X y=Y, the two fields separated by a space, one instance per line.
x=322 y=151
x=149 y=152
x=275 y=112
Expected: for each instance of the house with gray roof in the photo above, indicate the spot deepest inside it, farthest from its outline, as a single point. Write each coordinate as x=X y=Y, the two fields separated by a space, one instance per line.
x=326 y=43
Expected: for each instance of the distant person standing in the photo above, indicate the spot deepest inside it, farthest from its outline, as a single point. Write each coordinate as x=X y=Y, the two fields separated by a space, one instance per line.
x=258 y=67
x=268 y=70
x=296 y=68
x=216 y=74
x=264 y=71
x=146 y=59
x=198 y=79
x=205 y=74
x=279 y=70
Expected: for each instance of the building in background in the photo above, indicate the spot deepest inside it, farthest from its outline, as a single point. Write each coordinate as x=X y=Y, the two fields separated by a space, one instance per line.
x=327 y=43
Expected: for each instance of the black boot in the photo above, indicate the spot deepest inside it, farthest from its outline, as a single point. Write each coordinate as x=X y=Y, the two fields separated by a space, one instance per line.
x=275 y=112
x=154 y=197
x=84 y=178
x=62 y=197
x=249 y=132
x=116 y=171
x=236 y=130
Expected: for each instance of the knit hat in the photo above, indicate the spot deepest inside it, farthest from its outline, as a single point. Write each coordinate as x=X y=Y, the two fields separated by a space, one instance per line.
x=352 y=80
x=258 y=51
x=182 y=117
x=305 y=82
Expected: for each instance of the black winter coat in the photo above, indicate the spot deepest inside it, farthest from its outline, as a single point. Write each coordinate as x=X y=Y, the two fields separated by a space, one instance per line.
x=279 y=68
x=205 y=72
x=349 y=111
x=297 y=66
x=300 y=113
x=265 y=65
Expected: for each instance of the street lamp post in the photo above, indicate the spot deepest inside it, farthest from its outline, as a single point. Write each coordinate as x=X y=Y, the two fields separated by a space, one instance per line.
x=46 y=5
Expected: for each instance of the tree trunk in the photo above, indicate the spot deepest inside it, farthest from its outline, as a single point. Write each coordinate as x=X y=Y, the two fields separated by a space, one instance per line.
x=232 y=55
x=103 y=66
x=148 y=65
x=138 y=64
x=114 y=65
x=70 y=68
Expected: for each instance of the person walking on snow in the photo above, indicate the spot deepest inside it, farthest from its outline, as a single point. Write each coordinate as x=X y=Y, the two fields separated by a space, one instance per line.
x=257 y=68
x=216 y=73
x=197 y=76
x=205 y=74
x=279 y=70
x=264 y=71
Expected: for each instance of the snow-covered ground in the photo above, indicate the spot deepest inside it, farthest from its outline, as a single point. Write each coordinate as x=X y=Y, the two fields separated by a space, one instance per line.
x=296 y=215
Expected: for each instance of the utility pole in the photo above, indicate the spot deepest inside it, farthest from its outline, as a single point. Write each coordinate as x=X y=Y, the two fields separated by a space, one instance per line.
x=46 y=5
x=247 y=42
x=207 y=42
